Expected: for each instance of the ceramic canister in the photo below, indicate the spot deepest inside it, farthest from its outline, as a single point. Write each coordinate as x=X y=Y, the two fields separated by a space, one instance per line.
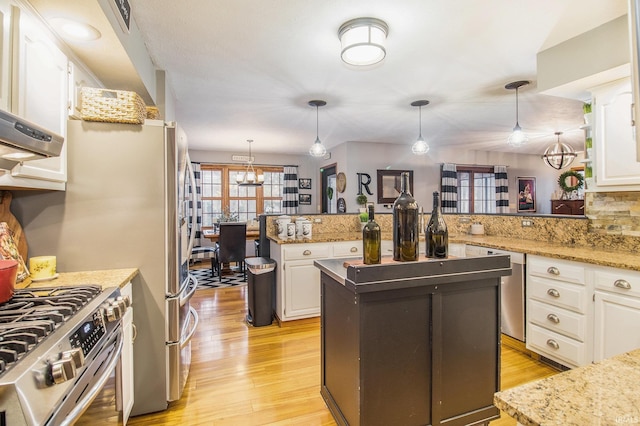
x=299 y=222
x=291 y=231
x=306 y=229
x=282 y=221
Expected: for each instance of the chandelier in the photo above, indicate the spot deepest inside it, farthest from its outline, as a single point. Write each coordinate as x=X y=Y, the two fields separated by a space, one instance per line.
x=249 y=177
x=559 y=155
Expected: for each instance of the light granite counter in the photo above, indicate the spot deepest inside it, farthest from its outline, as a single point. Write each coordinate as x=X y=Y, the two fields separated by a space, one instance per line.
x=606 y=393
x=105 y=278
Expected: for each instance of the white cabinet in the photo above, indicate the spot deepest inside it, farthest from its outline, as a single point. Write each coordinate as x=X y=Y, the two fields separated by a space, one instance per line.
x=5 y=55
x=616 y=166
x=559 y=310
x=124 y=372
x=298 y=280
x=617 y=312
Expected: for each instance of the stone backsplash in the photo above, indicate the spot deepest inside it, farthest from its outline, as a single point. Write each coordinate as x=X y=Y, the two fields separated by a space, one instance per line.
x=613 y=213
x=578 y=231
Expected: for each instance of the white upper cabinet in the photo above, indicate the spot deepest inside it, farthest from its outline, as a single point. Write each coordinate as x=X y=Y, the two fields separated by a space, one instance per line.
x=5 y=52
x=39 y=92
x=616 y=165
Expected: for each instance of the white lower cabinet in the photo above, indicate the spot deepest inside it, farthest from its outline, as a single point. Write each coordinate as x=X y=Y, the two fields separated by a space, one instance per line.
x=124 y=370
x=298 y=280
x=617 y=312
x=559 y=309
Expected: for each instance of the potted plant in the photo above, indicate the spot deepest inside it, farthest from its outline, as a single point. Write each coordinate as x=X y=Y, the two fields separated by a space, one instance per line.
x=586 y=109
x=364 y=218
x=362 y=201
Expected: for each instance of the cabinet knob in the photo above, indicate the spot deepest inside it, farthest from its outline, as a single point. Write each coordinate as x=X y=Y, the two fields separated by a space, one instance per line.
x=306 y=252
x=553 y=292
x=624 y=284
x=553 y=318
x=553 y=344
x=354 y=249
x=553 y=270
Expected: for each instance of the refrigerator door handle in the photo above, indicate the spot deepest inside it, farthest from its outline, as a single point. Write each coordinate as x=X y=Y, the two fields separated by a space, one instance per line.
x=196 y=320
x=190 y=291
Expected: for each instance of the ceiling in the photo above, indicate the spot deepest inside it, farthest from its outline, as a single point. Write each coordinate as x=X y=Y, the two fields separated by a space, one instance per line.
x=246 y=69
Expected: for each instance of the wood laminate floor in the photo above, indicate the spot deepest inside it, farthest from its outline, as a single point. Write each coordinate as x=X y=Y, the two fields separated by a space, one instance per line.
x=245 y=375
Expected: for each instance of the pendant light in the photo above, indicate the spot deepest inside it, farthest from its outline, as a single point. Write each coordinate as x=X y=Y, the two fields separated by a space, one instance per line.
x=249 y=177
x=518 y=137
x=317 y=149
x=420 y=147
x=559 y=155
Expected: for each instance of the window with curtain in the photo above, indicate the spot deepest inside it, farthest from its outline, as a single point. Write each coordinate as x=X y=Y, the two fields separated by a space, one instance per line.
x=476 y=189
x=223 y=197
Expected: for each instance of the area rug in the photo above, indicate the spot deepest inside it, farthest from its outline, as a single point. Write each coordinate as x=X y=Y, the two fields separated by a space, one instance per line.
x=205 y=280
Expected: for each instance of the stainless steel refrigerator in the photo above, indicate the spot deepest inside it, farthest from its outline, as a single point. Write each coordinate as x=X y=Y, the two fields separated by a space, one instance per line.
x=125 y=206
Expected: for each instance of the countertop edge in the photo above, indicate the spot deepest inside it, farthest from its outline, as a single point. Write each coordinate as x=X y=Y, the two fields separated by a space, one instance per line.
x=105 y=278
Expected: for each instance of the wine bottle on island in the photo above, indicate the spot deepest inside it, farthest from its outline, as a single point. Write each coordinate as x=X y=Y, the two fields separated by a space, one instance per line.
x=405 y=223
x=371 y=240
x=436 y=232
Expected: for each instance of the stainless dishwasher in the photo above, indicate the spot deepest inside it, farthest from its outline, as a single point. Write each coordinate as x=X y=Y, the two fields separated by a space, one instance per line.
x=512 y=292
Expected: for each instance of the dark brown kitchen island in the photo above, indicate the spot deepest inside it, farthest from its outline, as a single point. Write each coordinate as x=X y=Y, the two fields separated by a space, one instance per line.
x=413 y=343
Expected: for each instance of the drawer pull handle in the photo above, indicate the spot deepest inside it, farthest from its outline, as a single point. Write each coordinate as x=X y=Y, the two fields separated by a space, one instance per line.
x=306 y=252
x=622 y=284
x=553 y=318
x=553 y=344
x=553 y=270
x=559 y=206
x=553 y=292
x=354 y=249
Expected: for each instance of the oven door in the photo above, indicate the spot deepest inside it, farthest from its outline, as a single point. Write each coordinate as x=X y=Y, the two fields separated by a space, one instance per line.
x=98 y=371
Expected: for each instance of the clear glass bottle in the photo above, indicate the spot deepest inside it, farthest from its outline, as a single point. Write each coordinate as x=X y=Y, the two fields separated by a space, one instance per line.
x=436 y=232
x=371 y=241
x=405 y=224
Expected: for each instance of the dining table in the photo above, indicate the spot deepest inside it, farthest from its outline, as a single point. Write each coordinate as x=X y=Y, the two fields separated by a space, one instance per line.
x=213 y=236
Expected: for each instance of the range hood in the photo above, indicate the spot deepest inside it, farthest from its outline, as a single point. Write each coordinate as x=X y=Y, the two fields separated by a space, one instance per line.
x=21 y=140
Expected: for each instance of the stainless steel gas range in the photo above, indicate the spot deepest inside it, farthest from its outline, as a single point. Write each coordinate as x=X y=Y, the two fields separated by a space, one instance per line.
x=58 y=347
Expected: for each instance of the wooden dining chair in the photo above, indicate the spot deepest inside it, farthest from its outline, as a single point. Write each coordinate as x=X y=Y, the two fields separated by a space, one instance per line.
x=231 y=246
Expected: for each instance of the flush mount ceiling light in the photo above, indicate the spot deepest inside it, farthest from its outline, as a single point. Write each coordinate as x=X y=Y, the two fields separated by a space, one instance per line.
x=249 y=177
x=420 y=147
x=559 y=155
x=70 y=29
x=317 y=149
x=362 y=41
x=518 y=137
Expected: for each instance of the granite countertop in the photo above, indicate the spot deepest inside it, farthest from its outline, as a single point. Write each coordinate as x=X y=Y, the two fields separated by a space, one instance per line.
x=105 y=278
x=605 y=393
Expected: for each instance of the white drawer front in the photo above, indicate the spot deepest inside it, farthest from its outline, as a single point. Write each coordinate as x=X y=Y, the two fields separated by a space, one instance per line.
x=306 y=251
x=565 y=295
x=556 y=346
x=621 y=282
x=560 y=320
x=348 y=249
x=556 y=269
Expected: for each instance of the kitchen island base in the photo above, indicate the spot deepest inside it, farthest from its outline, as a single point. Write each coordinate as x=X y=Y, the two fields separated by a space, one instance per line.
x=411 y=344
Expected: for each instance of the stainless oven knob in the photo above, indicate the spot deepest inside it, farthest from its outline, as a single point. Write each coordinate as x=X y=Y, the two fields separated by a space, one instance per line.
x=63 y=370
x=112 y=312
x=76 y=355
x=125 y=299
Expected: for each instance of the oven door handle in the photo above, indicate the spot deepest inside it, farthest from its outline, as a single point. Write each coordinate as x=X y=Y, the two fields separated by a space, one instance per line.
x=84 y=403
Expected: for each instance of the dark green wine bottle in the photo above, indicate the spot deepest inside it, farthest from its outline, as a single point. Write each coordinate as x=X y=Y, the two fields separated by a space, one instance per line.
x=436 y=232
x=371 y=240
x=405 y=223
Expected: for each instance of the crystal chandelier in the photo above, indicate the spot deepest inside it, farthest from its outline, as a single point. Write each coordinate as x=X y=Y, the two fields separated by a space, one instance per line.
x=249 y=177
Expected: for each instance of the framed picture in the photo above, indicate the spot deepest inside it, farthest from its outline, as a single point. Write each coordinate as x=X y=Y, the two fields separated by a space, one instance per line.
x=304 y=199
x=389 y=185
x=526 y=194
x=304 y=183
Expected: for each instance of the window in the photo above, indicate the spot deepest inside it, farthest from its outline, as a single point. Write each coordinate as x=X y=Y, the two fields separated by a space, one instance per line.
x=223 y=198
x=476 y=190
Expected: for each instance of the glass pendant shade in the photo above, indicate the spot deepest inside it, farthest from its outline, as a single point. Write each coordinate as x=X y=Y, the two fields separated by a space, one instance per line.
x=420 y=146
x=518 y=137
x=362 y=41
x=317 y=149
x=559 y=155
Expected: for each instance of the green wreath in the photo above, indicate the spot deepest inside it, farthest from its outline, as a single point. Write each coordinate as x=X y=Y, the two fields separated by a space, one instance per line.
x=562 y=181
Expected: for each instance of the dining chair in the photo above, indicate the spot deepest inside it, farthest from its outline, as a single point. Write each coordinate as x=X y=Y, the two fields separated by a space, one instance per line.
x=231 y=246
x=203 y=252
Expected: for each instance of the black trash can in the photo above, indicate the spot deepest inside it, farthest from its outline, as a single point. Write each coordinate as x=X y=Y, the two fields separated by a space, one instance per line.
x=261 y=282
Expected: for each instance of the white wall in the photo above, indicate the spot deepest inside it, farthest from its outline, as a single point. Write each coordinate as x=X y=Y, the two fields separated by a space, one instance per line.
x=361 y=157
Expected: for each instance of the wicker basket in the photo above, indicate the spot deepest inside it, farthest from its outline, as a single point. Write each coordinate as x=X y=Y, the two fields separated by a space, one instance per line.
x=153 y=112
x=112 y=106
